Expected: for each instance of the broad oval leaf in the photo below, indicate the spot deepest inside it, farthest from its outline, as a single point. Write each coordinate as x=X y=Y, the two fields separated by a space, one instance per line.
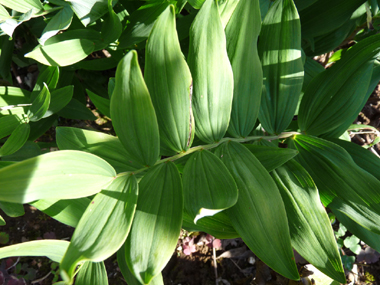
x=63 y=53
x=169 y=82
x=92 y=273
x=73 y=174
x=23 y=6
x=95 y=237
x=159 y=209
x=212 y=74
x=39 y=105
x=339 y=180
x=105 y=146
x=338 y=93
x=132 y=112
x=16 y=140
x=53 y=249
x=208 y=187
x=242 y=33
x=259 y=215
x=280 y=53
x=310 y=229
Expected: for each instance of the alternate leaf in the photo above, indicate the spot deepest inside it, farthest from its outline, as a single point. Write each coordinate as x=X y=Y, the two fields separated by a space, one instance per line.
x=74 y=174
x=169 y=82
x=259 y=215
x=133 y=116
x=159 y=209
x=280 y=53
x=208 y=186
x=335 y=95
x=242 y=33
x=95 y=237
x=63 y=53
x=105 y=146
x=53 y=249
x=310 y=229
x=39 y=105
x=212 y=74
x=16 y=140
x=60 y=21
x=339 y=179
x=92 y=273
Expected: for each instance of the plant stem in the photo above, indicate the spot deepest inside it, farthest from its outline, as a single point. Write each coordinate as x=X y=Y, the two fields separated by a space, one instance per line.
x=213 y=145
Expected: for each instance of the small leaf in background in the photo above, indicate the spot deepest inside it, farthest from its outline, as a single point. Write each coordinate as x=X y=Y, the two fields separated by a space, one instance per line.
x=101 y=103
x=208 y=186
x=242 y=33
x=132 y=112
x=341 y=231
x=40 y=105
x=280 y=52
x=60 y=21
x=4 y=238
x=62 y=53
x=16 y=140
x=348 y=261
x=159 y=209
x=169 y=82
x=212 y=74
x=352 y=243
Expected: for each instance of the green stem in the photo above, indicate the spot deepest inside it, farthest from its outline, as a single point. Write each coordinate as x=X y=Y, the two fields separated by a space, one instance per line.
x=213 y=145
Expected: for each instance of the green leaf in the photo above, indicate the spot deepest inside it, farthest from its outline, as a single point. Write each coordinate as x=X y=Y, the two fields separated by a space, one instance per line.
x=9 y=25
x=88 y=11
x=351 y=241
x=271 y=157
x=67 y=212
x=8 y=125
x=226 y=9
x=335 y=95
x=59 y=99
x=159 y=209
x=12 y=96
x=12 y=209
x=75 y=110
x=310 y=229
x=127 y=274
x=60 y=21
x=95 y=237
x=101 y=103
x=28 y=150
x=48 y=76
x=39 y=105
x=16 y=140
x=212 y=74
x=53 y=249
x=2 y=221
x=105 y=146
x=197 y=4
x=242 y=33
x=133 y=116
x=259 y=215
x=111 y=28
x=23 y=6
x=340 y=180
x=62 y=53
x=208 y=187
x=280 y=53
x=6 y=52
x=92 y=273
x=169 y=82
x=74 y=174
x=312 y=69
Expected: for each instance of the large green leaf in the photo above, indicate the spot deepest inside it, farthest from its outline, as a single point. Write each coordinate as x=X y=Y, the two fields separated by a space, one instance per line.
x=39 y=105
x=67 y=212
x=226 y=9
x=53 y=249
x=105 y=146
x=259 y=215
x=280 y=53
x=340 y=180
x=310 y=229
x=212 y=74
x=169 y=82
x=59 y=175
x=23 y=6
x=334 y=96
x=104 y=226
x=208 y=187
x=159 y=209
x=60 y=21
x=16 y=140
x=62 y=53
x=88 y=11
x=92 y=273
x=132 y=112
x=271 y=157
x=242 y=32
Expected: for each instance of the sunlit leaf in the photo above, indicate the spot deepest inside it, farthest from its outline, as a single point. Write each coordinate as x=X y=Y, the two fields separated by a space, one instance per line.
x=39 y=105
x=88 y=11
x=60 y=21
x=16 y=140
x=92 y=273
